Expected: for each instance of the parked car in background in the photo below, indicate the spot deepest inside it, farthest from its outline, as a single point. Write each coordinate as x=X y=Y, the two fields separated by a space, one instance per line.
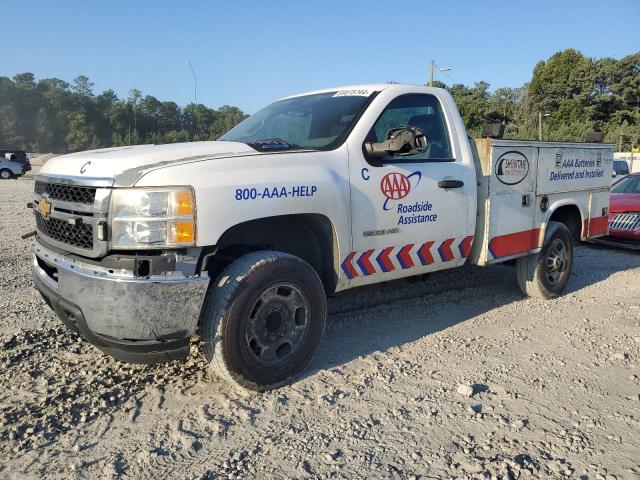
x=13 y=163
x=620 y=169
x=624 y=209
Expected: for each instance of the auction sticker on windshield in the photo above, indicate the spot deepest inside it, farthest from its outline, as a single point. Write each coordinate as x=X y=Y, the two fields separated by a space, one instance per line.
x=355 y=92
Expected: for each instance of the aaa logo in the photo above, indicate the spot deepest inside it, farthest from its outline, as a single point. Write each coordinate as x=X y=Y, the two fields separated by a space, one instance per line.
x=396 y=186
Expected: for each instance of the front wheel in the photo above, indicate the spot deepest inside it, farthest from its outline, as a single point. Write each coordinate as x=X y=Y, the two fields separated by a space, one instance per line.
x=6 y=174
x=263 y=320
x=546 y=274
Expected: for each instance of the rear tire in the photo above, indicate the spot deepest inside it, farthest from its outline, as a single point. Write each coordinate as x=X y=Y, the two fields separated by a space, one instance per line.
x=263 y=320
x=6 y=174
x=545 y=275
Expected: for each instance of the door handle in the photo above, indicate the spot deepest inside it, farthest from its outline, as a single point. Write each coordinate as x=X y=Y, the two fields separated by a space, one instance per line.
x=450 y=183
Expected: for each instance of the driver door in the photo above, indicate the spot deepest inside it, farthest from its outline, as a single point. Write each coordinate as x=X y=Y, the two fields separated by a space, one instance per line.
x=409 y=213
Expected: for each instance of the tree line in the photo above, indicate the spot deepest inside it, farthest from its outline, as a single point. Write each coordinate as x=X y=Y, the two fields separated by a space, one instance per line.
x=51 y=115
x=573 y=93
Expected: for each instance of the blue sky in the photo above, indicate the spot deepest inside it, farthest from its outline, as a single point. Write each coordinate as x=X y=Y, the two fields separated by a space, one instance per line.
x=250 y=53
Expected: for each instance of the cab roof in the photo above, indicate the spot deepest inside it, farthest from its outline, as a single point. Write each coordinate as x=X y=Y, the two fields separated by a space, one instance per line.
x=376 y=87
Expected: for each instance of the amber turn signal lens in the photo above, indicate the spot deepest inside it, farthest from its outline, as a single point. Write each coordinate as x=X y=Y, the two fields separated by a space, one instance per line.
x=184 y=232
x=184 y=205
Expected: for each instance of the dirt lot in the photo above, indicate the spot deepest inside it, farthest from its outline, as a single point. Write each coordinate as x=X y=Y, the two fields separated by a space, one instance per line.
x=555 y=387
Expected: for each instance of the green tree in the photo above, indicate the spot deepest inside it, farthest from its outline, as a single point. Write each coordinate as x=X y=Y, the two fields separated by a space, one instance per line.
x=82 y=86
x=473 y=104
x=225 y=118
x=134 y=99
x=80 y=136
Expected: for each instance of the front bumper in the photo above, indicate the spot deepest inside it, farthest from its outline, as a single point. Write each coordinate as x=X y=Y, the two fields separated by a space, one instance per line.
x=134 y=319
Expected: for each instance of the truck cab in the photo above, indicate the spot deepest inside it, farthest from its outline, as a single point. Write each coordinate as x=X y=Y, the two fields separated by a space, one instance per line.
x=238 y=242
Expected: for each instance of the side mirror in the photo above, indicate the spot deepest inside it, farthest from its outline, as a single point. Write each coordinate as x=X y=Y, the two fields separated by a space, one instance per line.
x=404 y=140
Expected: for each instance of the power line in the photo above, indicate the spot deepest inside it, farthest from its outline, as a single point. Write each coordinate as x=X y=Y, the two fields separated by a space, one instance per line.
x=449 y=77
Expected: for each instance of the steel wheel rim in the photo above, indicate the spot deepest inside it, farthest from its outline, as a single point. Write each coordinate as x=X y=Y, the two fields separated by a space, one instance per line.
x=277 y=325
x=5 y=174
x=556 y=261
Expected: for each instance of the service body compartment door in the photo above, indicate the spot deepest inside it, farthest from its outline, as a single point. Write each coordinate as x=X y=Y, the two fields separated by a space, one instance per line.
x=573 y=169
x=582 y=173
x=511 y=203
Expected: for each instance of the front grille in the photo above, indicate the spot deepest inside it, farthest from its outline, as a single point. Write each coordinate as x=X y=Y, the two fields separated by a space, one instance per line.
x=66 y=193
x=625 y=221
x=79 y=235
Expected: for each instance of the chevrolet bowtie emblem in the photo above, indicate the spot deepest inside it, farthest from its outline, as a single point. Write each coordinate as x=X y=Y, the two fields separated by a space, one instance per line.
x=44 y=206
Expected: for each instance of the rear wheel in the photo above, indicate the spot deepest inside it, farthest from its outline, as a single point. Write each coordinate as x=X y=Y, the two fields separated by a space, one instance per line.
x=263 y=320
x=546 y=274
x=6 y=174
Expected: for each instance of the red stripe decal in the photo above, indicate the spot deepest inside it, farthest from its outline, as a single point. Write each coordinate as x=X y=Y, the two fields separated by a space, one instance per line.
x=513 y=243
x=384 y=261
x=465 y=246
x=597 y=226
x=445 y=250
x=404 y=256
x=424 y=254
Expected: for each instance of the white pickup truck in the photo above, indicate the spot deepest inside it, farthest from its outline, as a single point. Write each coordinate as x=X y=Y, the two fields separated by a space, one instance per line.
x=239 y=241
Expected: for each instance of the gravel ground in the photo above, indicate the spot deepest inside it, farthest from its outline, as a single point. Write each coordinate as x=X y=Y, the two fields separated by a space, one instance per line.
x=453 y=376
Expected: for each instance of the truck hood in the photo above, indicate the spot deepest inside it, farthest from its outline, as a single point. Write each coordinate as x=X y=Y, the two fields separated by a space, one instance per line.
x=126 y=165
x=624 y=202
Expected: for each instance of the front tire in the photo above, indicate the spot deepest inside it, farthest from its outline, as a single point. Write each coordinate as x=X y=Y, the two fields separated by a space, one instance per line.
x=546 y=274
x=263 y=320
x=6 y=174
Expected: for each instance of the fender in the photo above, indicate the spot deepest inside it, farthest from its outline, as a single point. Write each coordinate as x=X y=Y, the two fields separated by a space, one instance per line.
x=310 y=236
x=554 y=207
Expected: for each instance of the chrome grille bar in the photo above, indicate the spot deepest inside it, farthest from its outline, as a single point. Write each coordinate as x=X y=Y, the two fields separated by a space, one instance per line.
x=75 y=215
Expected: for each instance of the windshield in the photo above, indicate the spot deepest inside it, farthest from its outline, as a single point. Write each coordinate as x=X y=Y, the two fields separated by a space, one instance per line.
x=312 y=121
x=627 y=185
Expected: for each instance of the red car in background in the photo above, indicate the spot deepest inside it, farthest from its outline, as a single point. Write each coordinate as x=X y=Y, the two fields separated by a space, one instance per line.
x=624 y=209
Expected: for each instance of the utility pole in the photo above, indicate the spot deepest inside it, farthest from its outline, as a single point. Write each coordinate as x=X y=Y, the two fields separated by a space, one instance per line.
x=431 y=71
x=540 y=126
x=620 y=140
x=540 y=115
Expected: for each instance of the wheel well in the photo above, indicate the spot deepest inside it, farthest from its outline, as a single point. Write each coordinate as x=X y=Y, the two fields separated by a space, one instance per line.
x=308 y=236
x=571 y=217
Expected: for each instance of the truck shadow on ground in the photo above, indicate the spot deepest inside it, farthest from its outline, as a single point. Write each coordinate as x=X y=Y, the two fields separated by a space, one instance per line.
x=384 y=316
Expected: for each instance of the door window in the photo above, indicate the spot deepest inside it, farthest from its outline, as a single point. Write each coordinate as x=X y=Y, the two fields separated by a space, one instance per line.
x=416 y=110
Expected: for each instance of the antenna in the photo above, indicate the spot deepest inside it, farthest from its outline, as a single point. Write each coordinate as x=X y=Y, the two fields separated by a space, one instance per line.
x=195 y=83
x=195 y=96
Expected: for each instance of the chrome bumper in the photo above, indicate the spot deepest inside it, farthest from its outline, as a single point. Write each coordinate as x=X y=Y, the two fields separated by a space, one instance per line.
x=117 y=307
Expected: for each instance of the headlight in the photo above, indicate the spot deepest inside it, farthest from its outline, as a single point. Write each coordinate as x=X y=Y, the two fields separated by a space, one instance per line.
x=152 y=218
